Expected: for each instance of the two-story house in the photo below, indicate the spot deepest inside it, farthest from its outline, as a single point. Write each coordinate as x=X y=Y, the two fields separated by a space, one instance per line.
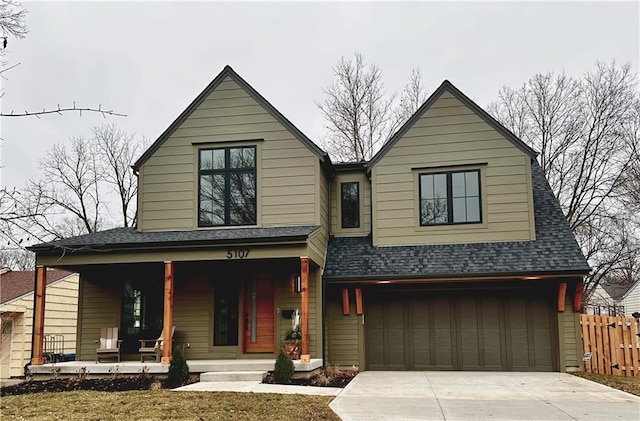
x=447 y=250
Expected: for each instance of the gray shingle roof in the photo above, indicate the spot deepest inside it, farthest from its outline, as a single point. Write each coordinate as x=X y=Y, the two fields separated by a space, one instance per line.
x=129 y=237
x=554 y=250
x=616 y=290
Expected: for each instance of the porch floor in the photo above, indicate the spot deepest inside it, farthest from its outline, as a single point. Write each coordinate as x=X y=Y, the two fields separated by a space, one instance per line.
x=72 y=368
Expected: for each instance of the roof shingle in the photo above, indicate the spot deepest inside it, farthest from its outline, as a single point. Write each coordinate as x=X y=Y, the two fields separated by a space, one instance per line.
x=130 y=237
x=14 y=284
x=554 y=250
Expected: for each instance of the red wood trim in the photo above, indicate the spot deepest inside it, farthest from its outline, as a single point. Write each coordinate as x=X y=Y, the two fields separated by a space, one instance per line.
x=167 y=323
x=38 y=319
x=577 y=297
x=562 y=296
x=359 y=309
x=304 y=296
x=345 y=301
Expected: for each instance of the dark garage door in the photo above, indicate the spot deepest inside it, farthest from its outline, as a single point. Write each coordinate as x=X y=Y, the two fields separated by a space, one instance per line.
x=425 y=330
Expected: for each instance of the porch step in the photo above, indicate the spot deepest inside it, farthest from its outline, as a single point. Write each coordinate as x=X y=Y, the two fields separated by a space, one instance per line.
x=232 y=376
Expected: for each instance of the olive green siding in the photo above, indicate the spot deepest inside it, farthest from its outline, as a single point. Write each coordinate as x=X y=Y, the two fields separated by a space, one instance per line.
x=100 y=303
x=570 y=347
x=344 y=341
x=193 y=313
x=61 y=311
x=287 y=170
x=365 y=204
x=319 y=239
x=447 y=136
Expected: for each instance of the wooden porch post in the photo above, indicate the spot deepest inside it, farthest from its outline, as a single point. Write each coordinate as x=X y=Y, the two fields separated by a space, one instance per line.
x=38 y=315
x=304 y=296
x=167 y=323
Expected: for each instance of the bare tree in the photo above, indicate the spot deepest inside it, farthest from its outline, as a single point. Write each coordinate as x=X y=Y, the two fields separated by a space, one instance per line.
x=71 y=198
x=118 y=150
x=413 y=96
x=359 y=115
x=17 y=259
x=12 y=22
x=586 y=129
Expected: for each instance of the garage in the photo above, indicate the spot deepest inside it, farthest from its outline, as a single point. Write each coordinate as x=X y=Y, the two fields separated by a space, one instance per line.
x=483 y=329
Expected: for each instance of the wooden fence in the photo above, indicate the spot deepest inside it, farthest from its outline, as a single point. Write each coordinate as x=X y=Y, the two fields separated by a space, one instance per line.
x=610 y=345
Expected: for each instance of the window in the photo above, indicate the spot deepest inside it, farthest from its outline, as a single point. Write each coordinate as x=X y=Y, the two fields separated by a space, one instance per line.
x=225 y=315
x=227 y=186
x=350 y=204
x=141 y=311
x=450 y=198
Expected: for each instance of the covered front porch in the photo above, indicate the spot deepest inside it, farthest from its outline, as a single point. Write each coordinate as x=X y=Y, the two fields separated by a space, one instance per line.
x=226 y=302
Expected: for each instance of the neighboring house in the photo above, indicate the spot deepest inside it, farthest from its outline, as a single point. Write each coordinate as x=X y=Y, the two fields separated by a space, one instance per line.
x=448 y=250
x=16 y=310
x=614 y=299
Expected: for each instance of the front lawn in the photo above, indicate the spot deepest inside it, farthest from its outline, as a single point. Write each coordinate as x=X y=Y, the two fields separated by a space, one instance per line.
x=626 y=384
x=164 y=405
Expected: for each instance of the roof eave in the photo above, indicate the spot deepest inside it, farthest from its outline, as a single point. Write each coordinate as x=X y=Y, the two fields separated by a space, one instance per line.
x=530 y=275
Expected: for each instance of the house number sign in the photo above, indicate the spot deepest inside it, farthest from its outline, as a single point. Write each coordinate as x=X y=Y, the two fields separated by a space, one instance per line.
x=237 y=253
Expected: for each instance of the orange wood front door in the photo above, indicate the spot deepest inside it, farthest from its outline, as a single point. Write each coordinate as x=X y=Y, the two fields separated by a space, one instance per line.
x=259 y=315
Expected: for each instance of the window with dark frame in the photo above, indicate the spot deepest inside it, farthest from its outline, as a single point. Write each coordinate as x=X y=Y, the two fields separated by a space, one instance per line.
x=227 y=186
x=350 y=204
x=225 y=315
x=449 y=198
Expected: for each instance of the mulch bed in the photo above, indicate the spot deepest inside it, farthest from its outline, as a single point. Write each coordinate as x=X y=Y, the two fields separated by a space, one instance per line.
x=120 y=384
x=338 y=379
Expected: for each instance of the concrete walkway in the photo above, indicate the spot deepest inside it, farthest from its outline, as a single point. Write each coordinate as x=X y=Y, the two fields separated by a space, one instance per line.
x=481 y=396
x=258 y=387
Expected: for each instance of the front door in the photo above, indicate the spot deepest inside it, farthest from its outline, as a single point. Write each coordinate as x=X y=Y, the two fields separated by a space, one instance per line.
x=259 y=319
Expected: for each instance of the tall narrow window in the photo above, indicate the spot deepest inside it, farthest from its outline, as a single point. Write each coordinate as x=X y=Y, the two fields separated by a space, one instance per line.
x=450 y=198
x=225 y=315
x=350 y=204
x=227 y=186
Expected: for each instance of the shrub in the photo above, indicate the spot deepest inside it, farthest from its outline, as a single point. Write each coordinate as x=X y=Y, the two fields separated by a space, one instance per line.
x=178 y=368
x=283 y=369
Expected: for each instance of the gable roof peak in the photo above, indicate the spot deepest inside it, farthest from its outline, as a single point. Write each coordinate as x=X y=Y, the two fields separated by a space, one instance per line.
x=450 y=87
x=228 y=71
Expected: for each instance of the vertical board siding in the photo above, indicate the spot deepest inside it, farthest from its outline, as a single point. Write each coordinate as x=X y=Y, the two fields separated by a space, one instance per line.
x=101 y=303
x=450 y=134
x=169 y=187
x=61 y=312
x=613 y=345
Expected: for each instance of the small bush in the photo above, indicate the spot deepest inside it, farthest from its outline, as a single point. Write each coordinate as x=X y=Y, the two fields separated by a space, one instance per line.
x=283 y=369
x=178 y=368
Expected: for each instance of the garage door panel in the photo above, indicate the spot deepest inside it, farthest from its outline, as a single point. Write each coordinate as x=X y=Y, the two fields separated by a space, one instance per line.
x=485 y=330
x=419 y=314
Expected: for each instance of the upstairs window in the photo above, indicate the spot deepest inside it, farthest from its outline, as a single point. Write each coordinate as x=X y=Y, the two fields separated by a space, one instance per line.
x=350 y=204
x=227 y=186
x=450 y=198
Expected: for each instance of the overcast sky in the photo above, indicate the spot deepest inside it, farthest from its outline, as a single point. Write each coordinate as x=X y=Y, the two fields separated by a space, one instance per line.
x=150 y=60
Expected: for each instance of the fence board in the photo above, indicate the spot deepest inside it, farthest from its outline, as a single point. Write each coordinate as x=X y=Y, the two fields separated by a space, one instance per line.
x=611 y=341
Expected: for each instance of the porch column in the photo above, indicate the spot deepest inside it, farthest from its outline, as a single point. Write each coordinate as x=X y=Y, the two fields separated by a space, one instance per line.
x=167 y=323
x=38 y=315
x=304 y=297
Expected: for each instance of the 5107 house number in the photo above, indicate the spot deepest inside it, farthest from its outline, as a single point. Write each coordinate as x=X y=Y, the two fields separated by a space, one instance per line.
x=237 y=253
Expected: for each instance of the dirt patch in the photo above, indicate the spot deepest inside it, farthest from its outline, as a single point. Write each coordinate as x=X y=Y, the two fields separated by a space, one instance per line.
x=121 y=384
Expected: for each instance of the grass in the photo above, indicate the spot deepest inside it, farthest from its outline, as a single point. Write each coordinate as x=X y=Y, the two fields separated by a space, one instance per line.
x=626 y=384
x=163 y=405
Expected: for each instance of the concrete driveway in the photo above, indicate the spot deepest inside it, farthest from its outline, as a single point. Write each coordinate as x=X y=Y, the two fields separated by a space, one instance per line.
x=481 y=396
